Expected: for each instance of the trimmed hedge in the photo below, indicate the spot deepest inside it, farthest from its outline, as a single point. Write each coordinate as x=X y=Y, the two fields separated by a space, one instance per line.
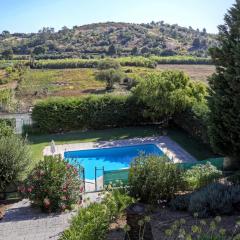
x=92 y=112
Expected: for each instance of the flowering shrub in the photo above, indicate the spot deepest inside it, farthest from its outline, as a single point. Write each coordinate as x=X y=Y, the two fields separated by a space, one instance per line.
x=54 y=185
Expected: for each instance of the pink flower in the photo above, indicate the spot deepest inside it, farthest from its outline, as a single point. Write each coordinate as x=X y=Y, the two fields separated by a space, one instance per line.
x=81 y=189
x=21 y=189
x=46 y=202
x=68 y=166
x=30 y=189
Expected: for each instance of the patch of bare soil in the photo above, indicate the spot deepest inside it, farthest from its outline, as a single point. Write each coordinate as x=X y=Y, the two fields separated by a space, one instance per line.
x=195 y=71
x=162 y=219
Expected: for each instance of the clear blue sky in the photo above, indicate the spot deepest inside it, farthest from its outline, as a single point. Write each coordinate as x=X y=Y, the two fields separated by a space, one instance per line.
x=32 y=15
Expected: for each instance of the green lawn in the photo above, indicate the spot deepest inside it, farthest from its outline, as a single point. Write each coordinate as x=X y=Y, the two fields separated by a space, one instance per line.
x=196 y=148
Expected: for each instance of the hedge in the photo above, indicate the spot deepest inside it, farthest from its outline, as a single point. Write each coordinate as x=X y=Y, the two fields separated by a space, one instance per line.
x=91 y=112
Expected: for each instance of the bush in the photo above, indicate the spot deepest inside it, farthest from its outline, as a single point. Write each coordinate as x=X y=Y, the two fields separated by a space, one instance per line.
x=90 y=223
x=5 y=129
x=14 y=160
x=107 y=64
x=93 y=222
x=117 y=200
x=181 y=202
x=194 y=120
x=110 y=76
x=201 y=175
x=153 y=178
x=215 y=199
x=53 y=185
x=234 y=178
x=92 y=112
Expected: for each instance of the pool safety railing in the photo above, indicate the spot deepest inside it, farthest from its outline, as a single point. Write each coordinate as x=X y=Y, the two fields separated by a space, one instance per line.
x=98 y=185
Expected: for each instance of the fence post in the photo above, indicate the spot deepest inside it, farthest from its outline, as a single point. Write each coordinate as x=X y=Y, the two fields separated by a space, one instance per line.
x=84 y=183
x=95 y=178
x=103 y=177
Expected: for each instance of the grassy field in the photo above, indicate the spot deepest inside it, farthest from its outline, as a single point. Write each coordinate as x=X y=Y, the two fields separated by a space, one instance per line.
x=61 y=82
x=197 y=149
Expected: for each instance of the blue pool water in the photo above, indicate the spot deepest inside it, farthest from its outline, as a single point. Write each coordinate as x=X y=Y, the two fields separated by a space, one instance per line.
x=110 y=158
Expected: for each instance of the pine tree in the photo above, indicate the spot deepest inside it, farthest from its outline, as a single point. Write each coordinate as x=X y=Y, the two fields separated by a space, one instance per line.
x=224 y=99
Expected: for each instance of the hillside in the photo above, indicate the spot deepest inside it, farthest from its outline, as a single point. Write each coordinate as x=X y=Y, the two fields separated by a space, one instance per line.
x=114 y=39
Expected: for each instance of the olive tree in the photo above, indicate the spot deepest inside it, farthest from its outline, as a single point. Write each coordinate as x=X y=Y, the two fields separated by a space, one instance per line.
x=14 y=160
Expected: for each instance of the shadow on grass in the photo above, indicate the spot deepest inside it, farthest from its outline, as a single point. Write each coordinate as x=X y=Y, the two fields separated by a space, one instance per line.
x=95 y=135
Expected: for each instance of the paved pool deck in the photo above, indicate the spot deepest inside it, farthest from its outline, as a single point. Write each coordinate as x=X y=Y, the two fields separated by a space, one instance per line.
x=170 y=148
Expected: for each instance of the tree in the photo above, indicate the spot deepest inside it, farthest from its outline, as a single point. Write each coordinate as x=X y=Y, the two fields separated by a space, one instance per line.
x=110 y=76
x=14 y=160
x=165 y=94
x=7 y=54
x=196 y=43
x=112 y=50
x=224 y=100
x=134 y=51
x=39 y=50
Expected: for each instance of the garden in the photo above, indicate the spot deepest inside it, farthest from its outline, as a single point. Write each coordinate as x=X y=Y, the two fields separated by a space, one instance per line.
x=161 y=199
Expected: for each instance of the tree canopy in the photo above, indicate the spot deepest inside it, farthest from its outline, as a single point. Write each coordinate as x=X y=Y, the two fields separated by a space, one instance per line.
x=225 y=89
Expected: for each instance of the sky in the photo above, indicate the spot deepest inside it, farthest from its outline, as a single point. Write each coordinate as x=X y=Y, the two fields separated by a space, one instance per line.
x=32 y=15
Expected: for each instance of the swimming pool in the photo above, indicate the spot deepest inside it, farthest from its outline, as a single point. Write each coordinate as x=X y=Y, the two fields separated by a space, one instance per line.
x=114 y=158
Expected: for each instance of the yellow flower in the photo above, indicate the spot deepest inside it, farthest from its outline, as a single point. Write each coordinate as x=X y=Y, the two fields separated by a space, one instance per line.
x=222 y=231
x=168 y=232
x=147 y=219
x=182 y=221
x=195 y=228
x=218 y=219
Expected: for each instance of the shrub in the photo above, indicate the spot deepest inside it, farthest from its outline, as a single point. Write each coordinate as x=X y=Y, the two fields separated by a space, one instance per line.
x=53 y=185
x=90 y=223
x=153 y=178
x=201 y=175
x=14 y=160
x=117 y=200
x=107 y=64
x=110 y=76
x=215 y=199
x=234 y=178
x=181 y=202
x=194 y=120
x=92 y=112
x=5 y=129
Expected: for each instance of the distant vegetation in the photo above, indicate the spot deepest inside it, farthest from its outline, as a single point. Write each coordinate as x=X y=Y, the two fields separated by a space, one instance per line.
x=107 y=39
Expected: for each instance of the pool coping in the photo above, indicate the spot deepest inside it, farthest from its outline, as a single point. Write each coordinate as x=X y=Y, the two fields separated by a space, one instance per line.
x=170 y=148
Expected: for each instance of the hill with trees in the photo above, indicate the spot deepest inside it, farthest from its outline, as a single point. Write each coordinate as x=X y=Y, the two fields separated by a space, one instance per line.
x=108 y=39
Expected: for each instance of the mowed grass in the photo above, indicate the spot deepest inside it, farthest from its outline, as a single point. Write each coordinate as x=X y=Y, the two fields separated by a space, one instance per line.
x=38 y=142
x=60 y=82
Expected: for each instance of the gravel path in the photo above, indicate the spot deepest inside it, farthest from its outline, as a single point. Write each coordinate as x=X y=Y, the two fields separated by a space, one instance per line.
x=22 y=222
